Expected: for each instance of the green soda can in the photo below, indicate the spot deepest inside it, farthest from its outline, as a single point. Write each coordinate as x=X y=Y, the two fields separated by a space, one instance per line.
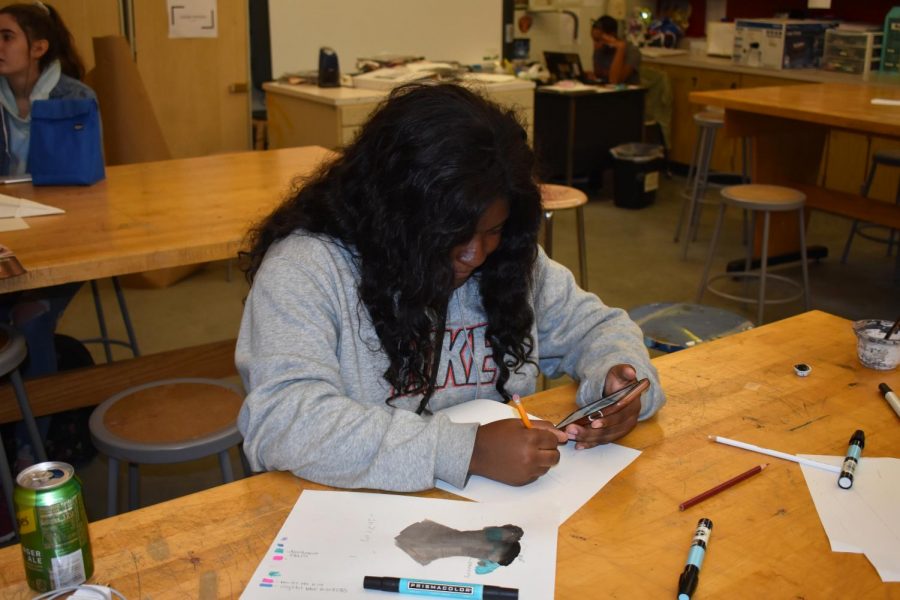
x=53 y=526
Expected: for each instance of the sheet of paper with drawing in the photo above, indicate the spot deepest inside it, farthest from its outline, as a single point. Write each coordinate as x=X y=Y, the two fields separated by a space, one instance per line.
x=579 y=475
x=332 y=540
x=863 y=519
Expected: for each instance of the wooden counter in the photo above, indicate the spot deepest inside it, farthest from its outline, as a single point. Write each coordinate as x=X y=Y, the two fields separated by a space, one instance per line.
x=304 y=115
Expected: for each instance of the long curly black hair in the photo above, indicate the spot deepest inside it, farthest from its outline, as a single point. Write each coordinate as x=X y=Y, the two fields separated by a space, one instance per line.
x=411 y=187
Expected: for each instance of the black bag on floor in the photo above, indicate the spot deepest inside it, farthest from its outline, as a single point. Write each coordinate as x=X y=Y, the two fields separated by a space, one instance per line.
x=69 y=438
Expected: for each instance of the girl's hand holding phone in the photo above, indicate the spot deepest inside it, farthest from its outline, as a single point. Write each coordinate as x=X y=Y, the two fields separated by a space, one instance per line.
x=617 y=419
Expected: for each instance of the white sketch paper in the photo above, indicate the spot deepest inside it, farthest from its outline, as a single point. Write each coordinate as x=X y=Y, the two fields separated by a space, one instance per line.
x=579 y=475
x=863 y=519
x=331 y=540
x=12 y=207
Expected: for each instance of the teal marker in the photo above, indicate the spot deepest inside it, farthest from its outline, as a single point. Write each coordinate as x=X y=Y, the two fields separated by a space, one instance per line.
x=439 y=589
x=854 y=451
x=687 y=583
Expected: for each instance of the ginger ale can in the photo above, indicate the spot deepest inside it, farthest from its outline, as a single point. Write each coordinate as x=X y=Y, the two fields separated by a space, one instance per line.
x=53 y=526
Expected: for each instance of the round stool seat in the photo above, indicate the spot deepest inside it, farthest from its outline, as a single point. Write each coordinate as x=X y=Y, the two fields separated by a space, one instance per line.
x=12 y=349
x=709 y=118
x=771 y=198
x=673 y=326
x=561 y=197
x=168 y=421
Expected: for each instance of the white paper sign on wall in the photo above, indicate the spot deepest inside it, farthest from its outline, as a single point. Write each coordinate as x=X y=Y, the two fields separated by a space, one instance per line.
x=193 y=18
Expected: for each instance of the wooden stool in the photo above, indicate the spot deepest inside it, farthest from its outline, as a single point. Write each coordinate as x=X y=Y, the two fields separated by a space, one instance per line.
x=12 y=352
x=561 y=197
x=164 y=422
x=757 y=199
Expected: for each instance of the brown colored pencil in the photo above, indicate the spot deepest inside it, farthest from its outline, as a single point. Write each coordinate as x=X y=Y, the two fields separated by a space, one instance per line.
x=721 y=487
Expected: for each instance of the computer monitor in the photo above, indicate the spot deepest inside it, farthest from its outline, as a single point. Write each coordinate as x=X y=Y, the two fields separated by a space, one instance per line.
x=564 y=65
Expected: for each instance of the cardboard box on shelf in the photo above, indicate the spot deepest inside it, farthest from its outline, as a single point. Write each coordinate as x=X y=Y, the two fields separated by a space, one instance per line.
x=779 y=43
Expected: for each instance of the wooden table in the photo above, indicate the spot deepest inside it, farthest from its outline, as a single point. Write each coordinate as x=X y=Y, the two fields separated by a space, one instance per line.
x=789 y=126
x=152 y=215
x=630 y=540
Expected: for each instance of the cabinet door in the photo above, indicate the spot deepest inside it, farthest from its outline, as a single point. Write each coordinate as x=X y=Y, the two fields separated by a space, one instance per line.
x=682 y=81
x=198 y=87
x=684 y=132
x=87 y=19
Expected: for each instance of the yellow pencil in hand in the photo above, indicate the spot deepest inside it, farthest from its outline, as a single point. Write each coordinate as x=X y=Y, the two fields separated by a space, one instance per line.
x=521 y=408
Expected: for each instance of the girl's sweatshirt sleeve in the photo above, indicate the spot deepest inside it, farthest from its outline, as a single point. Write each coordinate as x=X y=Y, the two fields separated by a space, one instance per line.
x=580 y=336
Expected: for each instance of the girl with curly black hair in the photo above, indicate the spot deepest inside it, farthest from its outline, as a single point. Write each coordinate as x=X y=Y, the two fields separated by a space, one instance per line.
x=405 y=277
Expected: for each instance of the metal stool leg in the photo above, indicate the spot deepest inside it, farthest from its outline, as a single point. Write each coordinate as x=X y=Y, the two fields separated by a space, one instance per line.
x=691 y=206
x=701 y=179
x=6 y=481
x=803 y=262
x=112 y=487
x=225 y=466
x=548 y=233
x=101 y=321
x=582 y=250
x=245 y=464
x=134 y=485
x=126 y=318
x=712 y=251
x=864 y=192
x=689 y=183
x=763 y=260
x=27 y=416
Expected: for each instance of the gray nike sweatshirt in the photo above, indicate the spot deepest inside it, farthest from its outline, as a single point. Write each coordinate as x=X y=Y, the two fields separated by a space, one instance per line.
x=312 y=366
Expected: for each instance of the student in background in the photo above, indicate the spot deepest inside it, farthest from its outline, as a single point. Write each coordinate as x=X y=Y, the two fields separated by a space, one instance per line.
x=38 y=61
x=405 y=277
x=615 y=60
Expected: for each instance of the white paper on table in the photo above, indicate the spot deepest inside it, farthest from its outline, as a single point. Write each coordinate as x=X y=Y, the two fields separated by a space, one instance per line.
x=10 y=207
x=13 y=224
x=579 y=475
x=865 y=518
x=331 y=540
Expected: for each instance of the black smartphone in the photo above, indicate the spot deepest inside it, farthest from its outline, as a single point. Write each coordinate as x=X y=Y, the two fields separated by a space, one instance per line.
x=591 y=412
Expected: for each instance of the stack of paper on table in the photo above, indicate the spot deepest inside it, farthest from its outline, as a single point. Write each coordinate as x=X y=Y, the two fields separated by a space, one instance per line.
x=864 y=519
x=12 y=211
x=332 y=540
x=579 y=475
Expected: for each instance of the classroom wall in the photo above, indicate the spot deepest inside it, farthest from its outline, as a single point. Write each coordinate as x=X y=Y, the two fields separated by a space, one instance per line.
x=866 y=11
x=463 y=30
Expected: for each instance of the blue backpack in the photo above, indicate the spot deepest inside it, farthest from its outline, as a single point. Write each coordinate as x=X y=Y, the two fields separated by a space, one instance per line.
x=66 y=147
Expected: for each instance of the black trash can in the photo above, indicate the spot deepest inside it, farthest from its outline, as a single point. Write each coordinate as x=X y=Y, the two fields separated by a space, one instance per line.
x=636 y=169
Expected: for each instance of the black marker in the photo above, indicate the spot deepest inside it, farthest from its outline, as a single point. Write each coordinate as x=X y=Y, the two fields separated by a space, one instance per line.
x=687 y=583
x=854 y=450
x=439 y=589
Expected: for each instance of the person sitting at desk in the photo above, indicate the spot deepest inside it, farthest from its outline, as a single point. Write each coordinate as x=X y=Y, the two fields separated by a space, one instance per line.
x=38 y=61
x=615 y=60
x=405 y=277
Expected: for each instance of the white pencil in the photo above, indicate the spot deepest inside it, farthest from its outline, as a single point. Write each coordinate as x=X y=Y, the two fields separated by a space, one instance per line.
x=776 y=454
